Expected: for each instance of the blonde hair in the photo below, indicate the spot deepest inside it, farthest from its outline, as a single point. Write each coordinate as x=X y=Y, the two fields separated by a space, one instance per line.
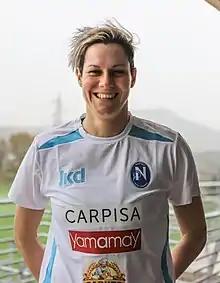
x=107 y=32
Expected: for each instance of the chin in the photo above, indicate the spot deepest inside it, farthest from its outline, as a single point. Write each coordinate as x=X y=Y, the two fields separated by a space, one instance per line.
x=108 y=116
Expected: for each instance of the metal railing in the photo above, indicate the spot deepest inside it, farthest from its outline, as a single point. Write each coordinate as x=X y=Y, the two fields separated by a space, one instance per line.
x=205 y=269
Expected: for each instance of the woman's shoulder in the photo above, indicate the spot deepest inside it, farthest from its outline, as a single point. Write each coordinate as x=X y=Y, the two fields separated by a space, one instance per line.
x=154 y=130
x=57 y=134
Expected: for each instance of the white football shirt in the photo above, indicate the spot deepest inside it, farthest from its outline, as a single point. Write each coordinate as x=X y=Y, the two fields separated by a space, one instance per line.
x=109 y=199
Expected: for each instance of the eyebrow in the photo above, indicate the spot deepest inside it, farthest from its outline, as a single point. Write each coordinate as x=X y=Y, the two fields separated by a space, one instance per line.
x=117 y=65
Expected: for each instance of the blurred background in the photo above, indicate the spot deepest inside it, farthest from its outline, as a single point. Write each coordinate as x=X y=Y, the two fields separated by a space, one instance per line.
x=178 y=85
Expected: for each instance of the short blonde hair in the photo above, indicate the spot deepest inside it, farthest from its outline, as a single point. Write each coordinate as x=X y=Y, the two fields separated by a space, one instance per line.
x=108 y=32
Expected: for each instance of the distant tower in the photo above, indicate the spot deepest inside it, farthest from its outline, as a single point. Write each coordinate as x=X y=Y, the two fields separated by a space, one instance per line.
x=58 y=111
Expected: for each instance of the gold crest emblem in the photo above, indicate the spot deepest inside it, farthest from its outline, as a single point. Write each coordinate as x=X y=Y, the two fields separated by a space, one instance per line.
x=103 y=271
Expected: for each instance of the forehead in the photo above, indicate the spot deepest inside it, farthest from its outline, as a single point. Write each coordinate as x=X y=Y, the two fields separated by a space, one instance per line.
x=105 y=55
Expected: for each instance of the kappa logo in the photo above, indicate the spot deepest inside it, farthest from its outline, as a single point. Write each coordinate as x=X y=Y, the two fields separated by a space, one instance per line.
x=105 y=271
x=140 y=174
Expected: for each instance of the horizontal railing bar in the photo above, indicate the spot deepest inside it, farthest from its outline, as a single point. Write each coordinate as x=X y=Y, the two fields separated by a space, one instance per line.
x=207 y=254
x=5 y=228
x=42 y=235
x=217 y=242
x=175 y=229
x=204 y=278
x=174 y=242
x=45 y=223
x=212 y=240
x=208 y=215
x=207 y=266
x=18 y=261
x=6 y=201
x=211 y=184
x=211 y=194
x=8 y=269
x=7 y=215
x=8 y=251
x=214 y=229
x=11 y=240
x=9 y=275
x=31 y=280
x=6 y=240
x=212 y=215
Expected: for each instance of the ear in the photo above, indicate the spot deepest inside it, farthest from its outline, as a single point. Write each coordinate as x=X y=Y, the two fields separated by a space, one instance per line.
x=133 y=77
x=79 y=76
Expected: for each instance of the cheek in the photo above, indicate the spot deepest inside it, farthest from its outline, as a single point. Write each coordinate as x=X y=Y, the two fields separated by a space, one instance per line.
x=88 y=84
x=125 y=84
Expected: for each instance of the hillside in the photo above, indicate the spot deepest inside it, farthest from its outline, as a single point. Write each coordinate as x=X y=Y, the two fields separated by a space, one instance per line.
x=199 y=137
x=208 y=164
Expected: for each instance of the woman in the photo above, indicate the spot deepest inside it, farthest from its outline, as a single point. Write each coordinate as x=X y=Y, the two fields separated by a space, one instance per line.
x=109 y=177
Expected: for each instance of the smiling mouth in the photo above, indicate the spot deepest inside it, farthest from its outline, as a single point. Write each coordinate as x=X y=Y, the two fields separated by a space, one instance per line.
x=105 y=95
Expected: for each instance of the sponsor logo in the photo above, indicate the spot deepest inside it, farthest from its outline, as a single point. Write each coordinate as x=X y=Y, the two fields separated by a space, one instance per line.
x=103 y=215
x=103 y=271
x=73 y=177
x=140 y=174
x=105 y=242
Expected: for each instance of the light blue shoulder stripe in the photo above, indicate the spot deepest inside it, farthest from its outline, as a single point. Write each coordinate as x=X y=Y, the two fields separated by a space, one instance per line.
x=145 y=135
x=73 y=136
x=164 y=265
x=49 y=270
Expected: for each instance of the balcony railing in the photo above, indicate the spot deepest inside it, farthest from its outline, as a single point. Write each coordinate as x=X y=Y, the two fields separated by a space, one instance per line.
x=205 y=269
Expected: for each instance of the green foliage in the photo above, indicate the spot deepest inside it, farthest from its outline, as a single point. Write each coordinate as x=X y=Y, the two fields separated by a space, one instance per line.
x=3 y=153
x=13 y=152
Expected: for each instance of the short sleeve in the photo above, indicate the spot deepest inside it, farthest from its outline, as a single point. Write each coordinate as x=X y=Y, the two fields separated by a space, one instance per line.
x=185 y=184
x=26 y=189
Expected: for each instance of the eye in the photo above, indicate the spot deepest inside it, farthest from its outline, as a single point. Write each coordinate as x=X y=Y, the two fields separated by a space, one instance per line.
x=118 y=72
x=94 y=72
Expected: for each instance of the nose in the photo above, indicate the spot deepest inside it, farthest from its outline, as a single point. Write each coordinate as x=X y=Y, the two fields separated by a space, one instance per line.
x=106 y=81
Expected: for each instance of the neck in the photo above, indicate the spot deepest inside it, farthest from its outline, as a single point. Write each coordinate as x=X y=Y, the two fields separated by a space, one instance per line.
x=105 y=128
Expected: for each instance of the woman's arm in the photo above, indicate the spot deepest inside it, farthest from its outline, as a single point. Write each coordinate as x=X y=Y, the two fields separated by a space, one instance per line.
x=191 y=220
x=25 y=232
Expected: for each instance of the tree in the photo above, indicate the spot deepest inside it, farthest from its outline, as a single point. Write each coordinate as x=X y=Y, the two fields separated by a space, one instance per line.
x=3 y=153
x=18 y=146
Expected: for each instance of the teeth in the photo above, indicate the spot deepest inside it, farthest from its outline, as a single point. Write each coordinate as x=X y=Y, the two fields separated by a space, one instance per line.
x=105 y=96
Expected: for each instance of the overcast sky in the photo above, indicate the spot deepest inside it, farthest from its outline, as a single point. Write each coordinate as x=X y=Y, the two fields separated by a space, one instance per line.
x=178 y=59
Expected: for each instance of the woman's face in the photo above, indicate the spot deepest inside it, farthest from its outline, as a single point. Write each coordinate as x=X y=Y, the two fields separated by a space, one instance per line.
x=106 y=80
